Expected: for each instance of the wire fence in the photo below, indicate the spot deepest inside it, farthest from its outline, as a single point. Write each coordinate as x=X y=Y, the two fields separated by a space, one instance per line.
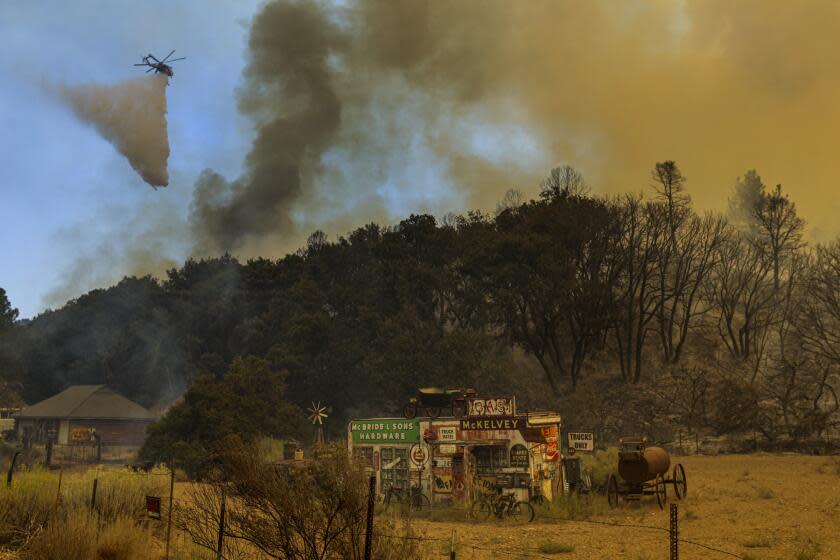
x=158 y=490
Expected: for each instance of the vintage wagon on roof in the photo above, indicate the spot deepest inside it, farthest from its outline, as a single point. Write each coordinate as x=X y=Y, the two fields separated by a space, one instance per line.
x=436 y=401
x=643 y=470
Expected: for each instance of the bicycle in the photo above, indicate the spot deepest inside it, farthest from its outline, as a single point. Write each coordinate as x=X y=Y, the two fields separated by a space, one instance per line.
x=414 y=497
x=501 y=506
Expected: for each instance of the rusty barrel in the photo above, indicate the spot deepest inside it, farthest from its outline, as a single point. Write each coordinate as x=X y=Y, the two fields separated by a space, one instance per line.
x=641 y=466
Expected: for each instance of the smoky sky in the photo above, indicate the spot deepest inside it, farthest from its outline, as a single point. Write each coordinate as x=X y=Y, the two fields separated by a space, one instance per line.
x=358 y=110
x=339 y=94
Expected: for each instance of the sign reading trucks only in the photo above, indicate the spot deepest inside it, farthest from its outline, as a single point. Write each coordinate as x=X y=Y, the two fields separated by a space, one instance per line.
x=582 y=441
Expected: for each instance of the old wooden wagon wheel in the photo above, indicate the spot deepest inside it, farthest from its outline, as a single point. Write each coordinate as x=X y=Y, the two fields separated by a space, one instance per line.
x=661 y=491
x=680 y=483
x=410 y=410
x=432 y=411
x=612 y=491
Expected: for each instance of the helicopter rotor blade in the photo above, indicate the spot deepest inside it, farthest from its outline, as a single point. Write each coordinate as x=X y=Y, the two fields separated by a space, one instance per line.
x=153 y=57
x=144 y=64
x=150 y=69
x=167 y=56
x=174 y=59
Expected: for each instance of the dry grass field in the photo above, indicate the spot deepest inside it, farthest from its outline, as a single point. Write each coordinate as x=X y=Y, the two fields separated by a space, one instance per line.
x=754 y=506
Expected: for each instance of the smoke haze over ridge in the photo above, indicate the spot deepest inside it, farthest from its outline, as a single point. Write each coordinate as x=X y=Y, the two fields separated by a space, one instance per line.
x=366 y=111
x=489 y=95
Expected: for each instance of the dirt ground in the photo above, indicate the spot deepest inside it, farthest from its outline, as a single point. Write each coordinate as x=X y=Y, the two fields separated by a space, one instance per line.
x=753 y=506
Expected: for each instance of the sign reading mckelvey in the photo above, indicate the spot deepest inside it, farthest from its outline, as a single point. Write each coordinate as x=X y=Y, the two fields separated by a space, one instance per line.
x=372 y=431
x=493 y=424
x=582 y=441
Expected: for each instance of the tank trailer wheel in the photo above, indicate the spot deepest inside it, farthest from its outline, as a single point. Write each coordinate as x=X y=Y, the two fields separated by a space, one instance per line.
x=612 y=491
x=661 y=491
x=680 y=482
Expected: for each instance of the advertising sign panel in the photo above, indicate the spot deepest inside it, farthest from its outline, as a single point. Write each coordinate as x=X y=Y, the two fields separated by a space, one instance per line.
x=479 y=407
x=582 y=441
x=418 y=455
x=78 y=435
x=153 y=506
x=385 y=431
x=519 y=456
x=447 y=433
x=492 y=423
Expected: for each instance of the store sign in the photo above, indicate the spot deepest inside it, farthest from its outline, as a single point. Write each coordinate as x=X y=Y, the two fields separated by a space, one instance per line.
x=484 y=407
x=519 y=456
x=79 y=435
x=447 y=433
x=448 y=449
x=442 y=462
x=582 y=441
x=492 y=424
x=387 y=431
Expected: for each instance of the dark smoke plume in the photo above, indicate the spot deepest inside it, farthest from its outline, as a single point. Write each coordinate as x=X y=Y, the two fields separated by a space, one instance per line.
x=354 y=103
x=289 y=96
x=130 y=115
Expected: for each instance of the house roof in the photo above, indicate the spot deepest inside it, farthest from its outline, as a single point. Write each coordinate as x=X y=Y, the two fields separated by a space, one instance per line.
x=89 y=402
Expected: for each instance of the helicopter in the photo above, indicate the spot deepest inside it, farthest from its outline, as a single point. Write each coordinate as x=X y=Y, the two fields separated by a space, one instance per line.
x=159 y=66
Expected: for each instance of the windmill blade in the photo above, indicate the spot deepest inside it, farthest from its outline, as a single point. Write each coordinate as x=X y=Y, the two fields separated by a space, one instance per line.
x=167 y=56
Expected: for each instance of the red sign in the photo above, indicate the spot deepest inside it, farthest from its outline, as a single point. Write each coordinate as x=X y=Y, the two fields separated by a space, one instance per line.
x=153 y=506
x=551 y=451
x=418 y=455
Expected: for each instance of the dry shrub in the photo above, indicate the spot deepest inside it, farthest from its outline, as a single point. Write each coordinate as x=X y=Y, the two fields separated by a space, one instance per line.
x=74 y=537
x=32 y=505
x=600 y=465
x=124 y=540
x=315 y=510
x=71 y=538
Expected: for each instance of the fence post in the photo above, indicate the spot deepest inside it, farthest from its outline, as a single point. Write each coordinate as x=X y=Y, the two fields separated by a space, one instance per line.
x=60 y=476
x=93 y=492
x=12 y=469
x=221 y=528
x=452 y=546
x=169 y=516
x=48 y=459
x=369 y=527
x=674 y=536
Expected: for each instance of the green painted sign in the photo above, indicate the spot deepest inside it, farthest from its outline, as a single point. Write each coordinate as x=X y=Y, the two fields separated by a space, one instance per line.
x=378 y=430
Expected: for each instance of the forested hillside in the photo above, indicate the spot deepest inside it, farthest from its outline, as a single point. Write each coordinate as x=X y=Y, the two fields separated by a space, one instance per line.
x=627 y=314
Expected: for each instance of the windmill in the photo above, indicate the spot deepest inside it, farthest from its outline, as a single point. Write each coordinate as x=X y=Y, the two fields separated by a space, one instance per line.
x=317 y=415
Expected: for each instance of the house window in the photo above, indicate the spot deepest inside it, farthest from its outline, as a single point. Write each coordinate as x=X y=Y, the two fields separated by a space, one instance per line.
x=394 y=467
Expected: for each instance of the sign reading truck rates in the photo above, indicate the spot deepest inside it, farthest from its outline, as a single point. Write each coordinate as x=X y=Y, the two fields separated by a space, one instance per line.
x=380 y=430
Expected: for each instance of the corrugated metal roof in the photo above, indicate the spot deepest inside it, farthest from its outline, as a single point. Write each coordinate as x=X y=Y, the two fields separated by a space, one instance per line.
x=88 y=402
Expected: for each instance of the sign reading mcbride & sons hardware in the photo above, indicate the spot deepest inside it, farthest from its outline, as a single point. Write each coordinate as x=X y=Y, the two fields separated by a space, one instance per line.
x=371 y=431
